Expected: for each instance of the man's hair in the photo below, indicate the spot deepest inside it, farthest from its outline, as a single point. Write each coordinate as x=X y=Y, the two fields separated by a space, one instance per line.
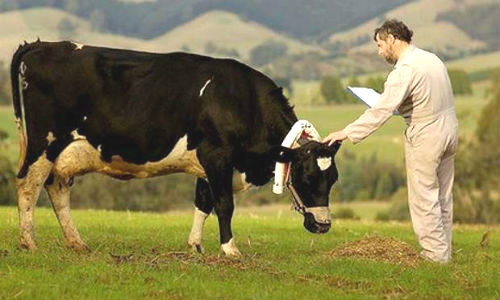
x=395 y=27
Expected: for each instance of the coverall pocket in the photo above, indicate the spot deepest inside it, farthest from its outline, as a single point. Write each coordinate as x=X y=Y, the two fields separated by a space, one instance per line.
x=409 y=134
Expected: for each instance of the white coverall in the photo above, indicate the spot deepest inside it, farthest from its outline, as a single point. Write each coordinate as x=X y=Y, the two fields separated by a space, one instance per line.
x=419 y=88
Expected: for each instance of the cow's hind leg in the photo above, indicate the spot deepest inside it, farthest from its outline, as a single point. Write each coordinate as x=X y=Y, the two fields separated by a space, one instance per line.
x=59 y=193
x=203 y=206
x=28 y=191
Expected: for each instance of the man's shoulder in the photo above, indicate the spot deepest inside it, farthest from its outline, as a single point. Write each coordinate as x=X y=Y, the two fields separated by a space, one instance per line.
x=418 y=55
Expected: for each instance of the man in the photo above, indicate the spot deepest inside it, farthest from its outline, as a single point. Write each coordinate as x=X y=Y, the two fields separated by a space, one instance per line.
x=419 y=88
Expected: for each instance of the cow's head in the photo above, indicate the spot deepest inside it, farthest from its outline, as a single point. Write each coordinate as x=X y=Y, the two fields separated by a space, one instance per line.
x=311 y=176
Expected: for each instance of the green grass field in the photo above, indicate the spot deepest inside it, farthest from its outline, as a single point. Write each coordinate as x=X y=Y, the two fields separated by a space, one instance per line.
x=145 y=256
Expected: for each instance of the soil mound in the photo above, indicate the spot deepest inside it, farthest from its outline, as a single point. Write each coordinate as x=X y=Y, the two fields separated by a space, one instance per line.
x=379 y=248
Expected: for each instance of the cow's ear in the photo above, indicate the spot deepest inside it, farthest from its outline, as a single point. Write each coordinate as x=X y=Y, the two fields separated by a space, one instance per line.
x=335 y=147
x=282 y=154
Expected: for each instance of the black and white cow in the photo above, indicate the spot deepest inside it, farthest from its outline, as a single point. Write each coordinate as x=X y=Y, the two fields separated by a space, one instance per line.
x=130 y=114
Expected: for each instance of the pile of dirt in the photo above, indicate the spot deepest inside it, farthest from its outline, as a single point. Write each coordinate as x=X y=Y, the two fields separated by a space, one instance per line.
x=379 y=248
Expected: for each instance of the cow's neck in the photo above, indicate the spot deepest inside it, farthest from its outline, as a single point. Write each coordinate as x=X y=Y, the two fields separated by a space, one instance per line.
x=256 y=161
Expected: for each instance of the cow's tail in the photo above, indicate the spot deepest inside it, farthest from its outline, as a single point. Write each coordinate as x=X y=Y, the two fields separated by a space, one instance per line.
x=17 y=76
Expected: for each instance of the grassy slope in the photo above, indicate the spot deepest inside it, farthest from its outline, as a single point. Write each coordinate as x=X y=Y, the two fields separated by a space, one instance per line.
x=281 y=261
x=224 y=29
x=420 y=17
x=30 y=24
x=476 y=62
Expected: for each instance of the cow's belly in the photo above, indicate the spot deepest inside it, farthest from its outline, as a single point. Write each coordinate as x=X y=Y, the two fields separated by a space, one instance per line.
x=81 y=157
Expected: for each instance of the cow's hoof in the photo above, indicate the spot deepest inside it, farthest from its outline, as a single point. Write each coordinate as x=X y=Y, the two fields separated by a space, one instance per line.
x=230 y=249
x=197 y=248
x=31 y=247
x=79 y=247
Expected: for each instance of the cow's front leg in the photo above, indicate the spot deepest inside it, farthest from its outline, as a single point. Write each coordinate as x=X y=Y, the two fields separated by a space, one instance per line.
x=220 y=178
x=203 y=207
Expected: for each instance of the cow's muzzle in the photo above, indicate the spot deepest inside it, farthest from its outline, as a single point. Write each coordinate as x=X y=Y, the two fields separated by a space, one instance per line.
x=317 y=219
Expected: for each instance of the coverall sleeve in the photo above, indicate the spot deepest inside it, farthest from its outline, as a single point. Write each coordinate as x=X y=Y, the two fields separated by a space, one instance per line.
x=396 y=89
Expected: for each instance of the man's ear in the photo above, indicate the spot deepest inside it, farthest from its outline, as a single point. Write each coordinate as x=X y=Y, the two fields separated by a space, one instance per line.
x=282 y=154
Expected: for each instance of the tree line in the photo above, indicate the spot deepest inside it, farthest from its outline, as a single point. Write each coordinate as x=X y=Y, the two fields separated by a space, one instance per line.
x=334 y=91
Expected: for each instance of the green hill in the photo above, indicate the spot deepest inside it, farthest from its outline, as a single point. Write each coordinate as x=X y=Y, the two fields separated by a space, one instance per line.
x=429 y=33
x=30 y=24
x=224 y=30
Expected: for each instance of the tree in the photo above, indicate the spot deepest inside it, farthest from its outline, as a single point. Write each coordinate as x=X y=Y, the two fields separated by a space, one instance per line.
x=285 y=83
x=332 y=90
x=267 y=52
x=476 y=176
x=5 y=95
x=353 y=81
x=376 y=83
x=97 y=20
x=66 y=29
x=71 y=6
x=460 y=82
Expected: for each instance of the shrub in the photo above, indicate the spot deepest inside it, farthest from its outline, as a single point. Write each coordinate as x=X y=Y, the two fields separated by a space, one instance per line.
x=345 y=213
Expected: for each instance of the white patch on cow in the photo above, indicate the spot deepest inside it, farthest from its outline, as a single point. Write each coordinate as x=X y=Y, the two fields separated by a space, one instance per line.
x=230 y=249
x=203 y=88
x=239 y=182
x=77 y=136
x=77 y=46
x=324 y=163
x=197 y=230
x=85 y=118
x=50 y=138
x=22 y=68
x=80 y=157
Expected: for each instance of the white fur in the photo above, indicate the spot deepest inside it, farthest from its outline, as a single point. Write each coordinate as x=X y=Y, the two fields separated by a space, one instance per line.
x=321 y=214
x=50 y=138
x=324 y=163
x=230 y=249
x=80 y=158
x=239 y=182
x=77 y=136
x=77 y=46
x=203 y=88
x=197 y=230
x=301 y=126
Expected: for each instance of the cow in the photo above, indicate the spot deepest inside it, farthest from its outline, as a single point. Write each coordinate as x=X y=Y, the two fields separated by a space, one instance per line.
x=131 y=114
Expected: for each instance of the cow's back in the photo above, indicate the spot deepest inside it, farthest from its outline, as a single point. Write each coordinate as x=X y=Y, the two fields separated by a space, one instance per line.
x=135 y=107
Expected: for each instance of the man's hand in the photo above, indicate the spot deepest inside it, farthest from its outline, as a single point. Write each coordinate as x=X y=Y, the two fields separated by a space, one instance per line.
x=335 y=136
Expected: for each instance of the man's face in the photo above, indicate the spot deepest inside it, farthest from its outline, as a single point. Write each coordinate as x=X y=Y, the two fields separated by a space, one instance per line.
x=385 y=48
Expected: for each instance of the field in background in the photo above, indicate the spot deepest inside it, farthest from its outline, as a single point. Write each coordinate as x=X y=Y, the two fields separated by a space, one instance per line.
x=387 y=143
x=144 y=256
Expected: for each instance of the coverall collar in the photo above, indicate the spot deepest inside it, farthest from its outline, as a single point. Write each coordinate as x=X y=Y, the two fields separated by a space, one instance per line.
x=404 y=55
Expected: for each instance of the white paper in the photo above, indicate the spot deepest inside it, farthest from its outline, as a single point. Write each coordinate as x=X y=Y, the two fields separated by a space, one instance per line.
x=367 y=95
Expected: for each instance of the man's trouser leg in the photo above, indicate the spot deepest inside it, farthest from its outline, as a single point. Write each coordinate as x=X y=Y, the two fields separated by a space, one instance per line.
x=446 y=175
x=429 y=168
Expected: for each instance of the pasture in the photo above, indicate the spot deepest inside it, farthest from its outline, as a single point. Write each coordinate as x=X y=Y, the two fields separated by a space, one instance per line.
x=145 y=256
